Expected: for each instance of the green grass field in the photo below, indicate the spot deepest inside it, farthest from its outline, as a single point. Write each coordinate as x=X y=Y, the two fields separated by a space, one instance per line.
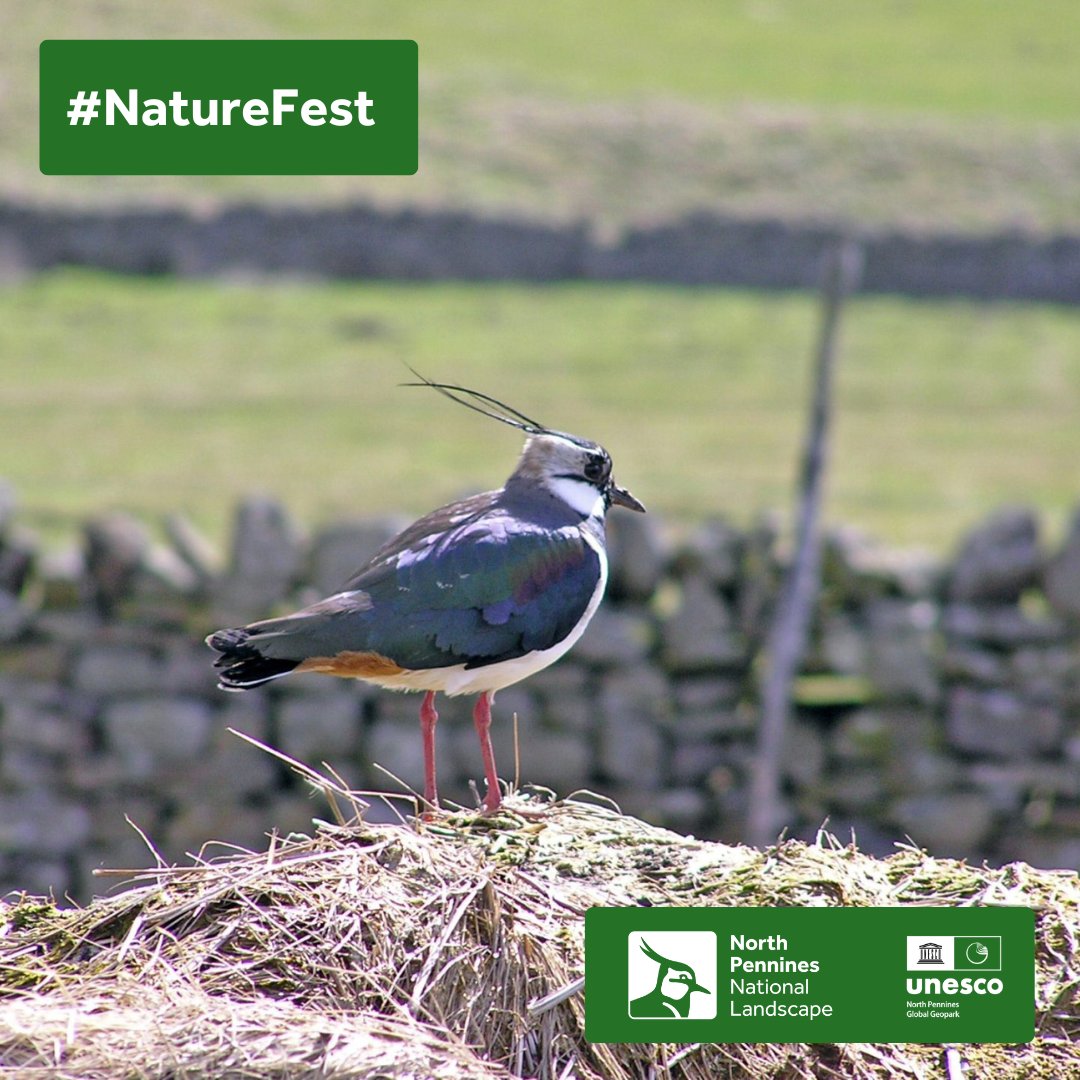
x=153 y=396
x=966 y=57
x=895 y=113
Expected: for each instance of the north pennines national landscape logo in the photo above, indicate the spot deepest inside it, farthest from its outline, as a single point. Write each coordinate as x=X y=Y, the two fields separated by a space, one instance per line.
x=671 y=974
x=902 y=974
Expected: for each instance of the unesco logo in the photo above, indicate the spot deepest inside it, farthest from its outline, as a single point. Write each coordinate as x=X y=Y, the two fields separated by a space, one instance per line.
x=954 y=953
x=979 y=956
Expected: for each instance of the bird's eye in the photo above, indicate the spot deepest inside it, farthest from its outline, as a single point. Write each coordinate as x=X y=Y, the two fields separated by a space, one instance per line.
x=595 y=469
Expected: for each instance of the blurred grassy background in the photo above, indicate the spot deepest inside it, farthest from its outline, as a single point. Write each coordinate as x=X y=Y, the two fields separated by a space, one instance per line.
x=972 y=57
x=911 y=112
x=155 y=394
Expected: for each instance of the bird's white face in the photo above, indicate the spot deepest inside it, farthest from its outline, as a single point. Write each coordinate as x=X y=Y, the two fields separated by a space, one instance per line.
x=579 y=496
x=575 y=473
x=676 y=985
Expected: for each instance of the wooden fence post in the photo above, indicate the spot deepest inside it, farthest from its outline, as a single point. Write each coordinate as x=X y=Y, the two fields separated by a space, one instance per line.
x=786 y=641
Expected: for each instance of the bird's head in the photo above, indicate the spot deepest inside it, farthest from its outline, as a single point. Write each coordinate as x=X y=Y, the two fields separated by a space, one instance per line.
x=678 y=983
x=577 y=471
x=675 y=980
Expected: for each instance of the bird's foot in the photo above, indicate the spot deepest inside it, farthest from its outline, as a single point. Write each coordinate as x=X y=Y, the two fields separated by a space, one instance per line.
x=491 y=802
x=528 y=804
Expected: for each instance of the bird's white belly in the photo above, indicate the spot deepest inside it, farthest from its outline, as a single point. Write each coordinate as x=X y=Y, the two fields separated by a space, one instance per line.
x=461 y=680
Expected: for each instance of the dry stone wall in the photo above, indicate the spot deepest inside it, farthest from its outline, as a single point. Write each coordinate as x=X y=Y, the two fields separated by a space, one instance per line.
x=364 y=242
x=939 y=701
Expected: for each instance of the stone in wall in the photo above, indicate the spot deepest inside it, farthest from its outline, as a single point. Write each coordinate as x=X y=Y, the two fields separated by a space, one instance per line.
x=614 y=637
x=557 y=759
x=693 y=760
x=901 y=645
x=804 y=755
x=565 y=697
x=759 y=580
x=36 y=740
x=638 y=555
x=681 y=808
x=857 y=568
x=393 y=742
x=164 y=574
x=974 y=662
x=208 y=828
x=1013 y=786
x=1039 y=848
x=323 y=727
x=16 y=560
x=856 y=792
x=1000 y=723
x=39 y=821
x=998 y=559
x=115 y=545
x=120 y=667
x=701 y=635
x=707 y=693
x=1045 y=673
x=957 y=824
x=193 y=549
x=839 y=644
x=15 y=617
x=267 y=554
x=1061 y=578
x=899 y=743
x=634 y=707
x=150 y=734
x=713 y=550
x=863 y=737
x=999 y=626
x=339 y=550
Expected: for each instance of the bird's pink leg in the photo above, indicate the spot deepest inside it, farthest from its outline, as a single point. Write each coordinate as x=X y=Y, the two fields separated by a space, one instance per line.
x=482 y=720
x=428 y=719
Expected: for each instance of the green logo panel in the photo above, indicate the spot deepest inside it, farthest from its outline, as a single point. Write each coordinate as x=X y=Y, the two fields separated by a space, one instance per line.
x=228 y=107
x=910 y=974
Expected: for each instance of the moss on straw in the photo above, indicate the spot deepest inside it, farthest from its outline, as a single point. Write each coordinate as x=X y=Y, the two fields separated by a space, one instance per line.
x=416 y=949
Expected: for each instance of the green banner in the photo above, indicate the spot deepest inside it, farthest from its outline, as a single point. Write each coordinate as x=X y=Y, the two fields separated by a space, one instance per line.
x=228 y=107
x=904 y=974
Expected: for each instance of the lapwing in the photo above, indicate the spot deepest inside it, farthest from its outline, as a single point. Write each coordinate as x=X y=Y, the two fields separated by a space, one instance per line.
x=473 y=597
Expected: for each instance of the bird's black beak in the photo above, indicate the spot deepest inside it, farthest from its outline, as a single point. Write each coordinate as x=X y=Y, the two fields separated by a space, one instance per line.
x=618 y=496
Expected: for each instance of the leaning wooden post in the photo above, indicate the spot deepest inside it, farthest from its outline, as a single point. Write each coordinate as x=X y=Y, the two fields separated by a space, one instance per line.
x=786 y=641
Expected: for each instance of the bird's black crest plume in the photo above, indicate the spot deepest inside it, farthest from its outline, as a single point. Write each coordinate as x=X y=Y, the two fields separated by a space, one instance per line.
x=651 y=953
x=484 y=404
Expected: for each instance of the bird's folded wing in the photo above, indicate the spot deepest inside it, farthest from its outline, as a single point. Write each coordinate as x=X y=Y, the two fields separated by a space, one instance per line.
x=477 y=595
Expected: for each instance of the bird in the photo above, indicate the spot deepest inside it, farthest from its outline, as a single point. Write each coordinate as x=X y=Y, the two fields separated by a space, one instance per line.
x=670 y=997
x=471 y=598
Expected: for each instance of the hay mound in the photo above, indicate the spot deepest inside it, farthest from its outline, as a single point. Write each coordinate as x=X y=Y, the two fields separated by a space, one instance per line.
x=415 y=950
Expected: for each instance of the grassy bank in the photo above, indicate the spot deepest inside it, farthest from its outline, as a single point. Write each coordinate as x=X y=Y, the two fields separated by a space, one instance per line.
x=915 y=115
x=965 y=58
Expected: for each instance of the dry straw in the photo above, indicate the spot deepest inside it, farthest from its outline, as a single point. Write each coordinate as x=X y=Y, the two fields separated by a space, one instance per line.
x=452 y=949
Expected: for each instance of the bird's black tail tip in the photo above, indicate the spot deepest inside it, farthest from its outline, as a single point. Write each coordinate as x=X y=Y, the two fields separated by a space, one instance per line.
x=242 y=666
